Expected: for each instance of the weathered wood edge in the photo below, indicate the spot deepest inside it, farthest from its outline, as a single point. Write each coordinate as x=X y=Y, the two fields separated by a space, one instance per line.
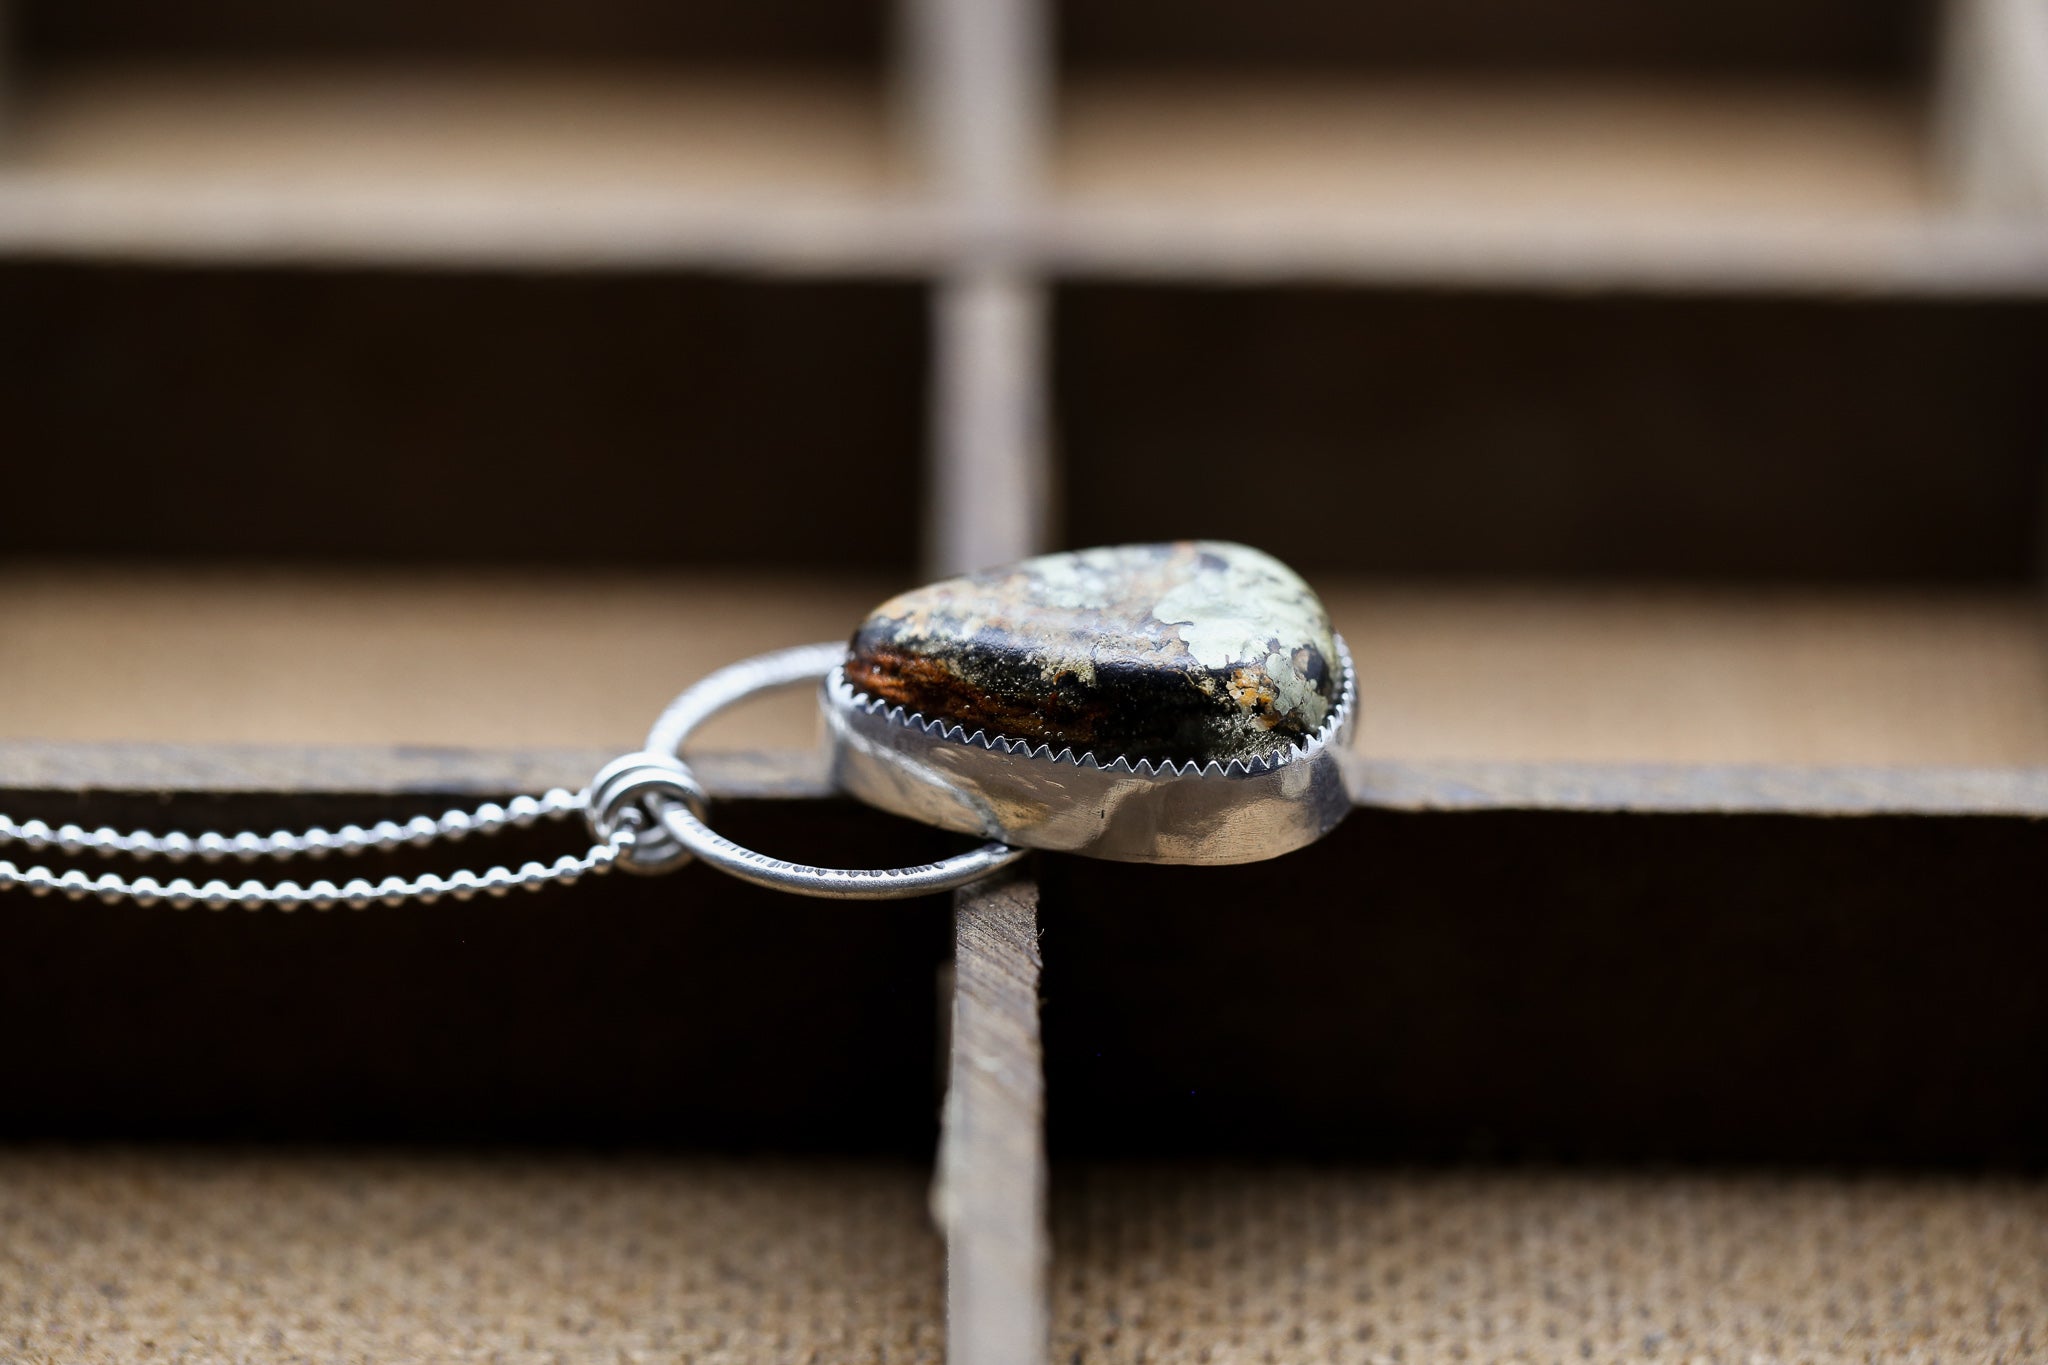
x=1949 y=256
x=989 y=1196
x=1674 y=788
x=796 y=775
x=897 y=237
x=38 y=765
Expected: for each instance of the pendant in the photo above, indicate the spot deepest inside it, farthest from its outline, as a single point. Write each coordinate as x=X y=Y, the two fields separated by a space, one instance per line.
x=1174 y=703
x=1165 y=703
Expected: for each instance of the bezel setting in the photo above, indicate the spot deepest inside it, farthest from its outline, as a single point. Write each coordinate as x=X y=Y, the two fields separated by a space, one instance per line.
x=1031 y=795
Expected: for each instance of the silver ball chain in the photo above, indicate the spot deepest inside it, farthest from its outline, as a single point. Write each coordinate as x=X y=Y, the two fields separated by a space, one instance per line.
x=72 y=840
x=645 y=812
x=356 y=893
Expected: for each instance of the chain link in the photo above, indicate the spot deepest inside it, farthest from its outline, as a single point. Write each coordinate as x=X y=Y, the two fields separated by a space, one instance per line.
x=73 y=840
x=356 y=893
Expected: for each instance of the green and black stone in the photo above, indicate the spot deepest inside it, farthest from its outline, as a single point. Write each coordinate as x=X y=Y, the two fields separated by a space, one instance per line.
x=1191 y=650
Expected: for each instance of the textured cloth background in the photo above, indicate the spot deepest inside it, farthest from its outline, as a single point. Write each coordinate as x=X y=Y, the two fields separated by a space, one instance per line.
x=124 y=1256
x=1230 y=1267
x=152 y=1256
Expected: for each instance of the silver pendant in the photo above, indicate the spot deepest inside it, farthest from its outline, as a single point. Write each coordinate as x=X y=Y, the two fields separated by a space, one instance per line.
x=1174 y=703
x=1178 y=703
x=1170 y=703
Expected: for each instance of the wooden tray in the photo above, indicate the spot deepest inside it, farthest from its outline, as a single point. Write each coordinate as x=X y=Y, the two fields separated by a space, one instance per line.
x=1653 y=392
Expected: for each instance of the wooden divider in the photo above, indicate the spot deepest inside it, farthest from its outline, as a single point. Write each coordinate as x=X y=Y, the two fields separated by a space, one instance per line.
x=984 y=154
x=991 y=1183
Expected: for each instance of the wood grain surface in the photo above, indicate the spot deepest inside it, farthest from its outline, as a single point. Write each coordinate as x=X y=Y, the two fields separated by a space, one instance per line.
x=991 y=1188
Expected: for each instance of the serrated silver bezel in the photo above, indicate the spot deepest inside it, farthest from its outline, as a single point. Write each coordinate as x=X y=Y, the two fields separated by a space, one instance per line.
x=1029 y=794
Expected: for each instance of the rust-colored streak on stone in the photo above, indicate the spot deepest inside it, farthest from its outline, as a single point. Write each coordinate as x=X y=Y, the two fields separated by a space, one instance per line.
x=932 y=688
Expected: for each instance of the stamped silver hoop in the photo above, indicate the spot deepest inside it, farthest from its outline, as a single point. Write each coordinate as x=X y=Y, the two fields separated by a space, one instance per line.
x=733 y=684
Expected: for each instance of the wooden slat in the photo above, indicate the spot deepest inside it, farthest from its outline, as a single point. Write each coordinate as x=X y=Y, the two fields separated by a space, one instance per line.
x=1939 y=257
x=976 y=82
x=287 y=771
x=991 y=1191
x=976 y=77
x=821 y=238
x=1992 y=106
x=991 y=477
x=801 y=776
x=452 y=228
x=1678 y=788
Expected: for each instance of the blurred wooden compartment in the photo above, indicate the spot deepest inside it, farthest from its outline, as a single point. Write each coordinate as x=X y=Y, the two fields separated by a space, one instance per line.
x=1706 y=438
x=1584 y=117
x=1690 y=146
x=359 y=416
x=531 y=164
x=600 y=134
x=1653 y=390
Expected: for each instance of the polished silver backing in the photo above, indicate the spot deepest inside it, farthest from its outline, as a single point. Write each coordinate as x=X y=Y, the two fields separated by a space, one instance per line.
x=1028 y=795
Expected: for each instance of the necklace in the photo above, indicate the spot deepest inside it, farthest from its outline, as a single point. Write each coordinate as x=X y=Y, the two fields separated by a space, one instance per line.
x=1180 y=702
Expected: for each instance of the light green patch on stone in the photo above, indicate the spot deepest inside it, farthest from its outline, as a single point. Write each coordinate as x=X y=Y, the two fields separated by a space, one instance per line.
x=1293 y=693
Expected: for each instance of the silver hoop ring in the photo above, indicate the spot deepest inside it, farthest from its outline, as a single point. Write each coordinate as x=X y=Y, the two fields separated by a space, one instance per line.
x=750 y=677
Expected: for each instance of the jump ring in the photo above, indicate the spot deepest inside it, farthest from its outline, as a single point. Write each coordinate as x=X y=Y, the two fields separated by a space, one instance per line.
x=682 y=822
x=636 y=783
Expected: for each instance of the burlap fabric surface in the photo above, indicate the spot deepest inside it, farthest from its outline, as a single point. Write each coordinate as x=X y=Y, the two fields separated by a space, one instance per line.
x=1226 y=1266
x=124 y=1256
x=216 y=1256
